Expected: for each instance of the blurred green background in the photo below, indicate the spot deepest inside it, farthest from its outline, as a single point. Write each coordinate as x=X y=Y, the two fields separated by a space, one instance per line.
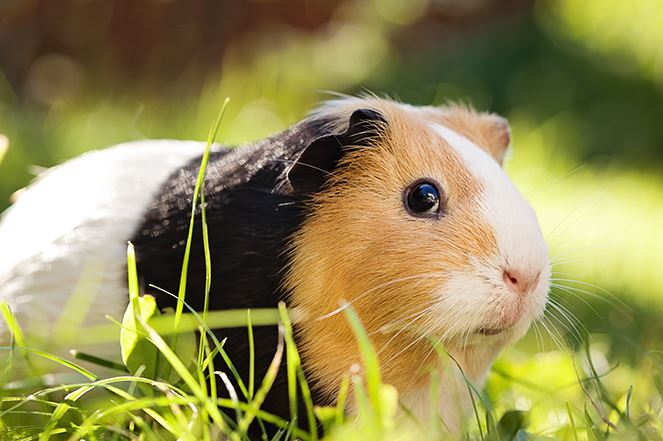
x=581 y=82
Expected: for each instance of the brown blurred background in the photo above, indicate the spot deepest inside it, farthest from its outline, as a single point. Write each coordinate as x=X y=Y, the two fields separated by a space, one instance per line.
x=152 y=45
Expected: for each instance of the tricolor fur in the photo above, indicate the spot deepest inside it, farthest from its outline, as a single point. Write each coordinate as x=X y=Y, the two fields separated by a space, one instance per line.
x=313 y=216
x=411 y=279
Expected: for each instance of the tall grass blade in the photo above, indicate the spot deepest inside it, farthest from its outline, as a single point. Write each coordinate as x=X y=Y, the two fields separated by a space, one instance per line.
x=12 y=324
x=54 y=358
x=194 y=203
x=292 y=358
x=4 y=146
x=341 y=399
x=98 y=361
x=261 y=393
x=164 y=324
x=184 y=373
x=252 y=353
x=369 y=360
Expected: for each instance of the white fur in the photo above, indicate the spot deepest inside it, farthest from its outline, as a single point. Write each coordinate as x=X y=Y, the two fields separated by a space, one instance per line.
x=520 y=242
x=470 y=298
x=519 y=236
x=64 y=241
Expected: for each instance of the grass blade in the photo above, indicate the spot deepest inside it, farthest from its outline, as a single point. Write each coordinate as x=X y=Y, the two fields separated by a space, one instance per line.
x=12 y=324
x=4 y=146
x=164 y=324
x=98 y=361
x=252 y=353
x=292 y=361
x=261 y=393
x=369 y=360
x=196 y=193
x=54 y=358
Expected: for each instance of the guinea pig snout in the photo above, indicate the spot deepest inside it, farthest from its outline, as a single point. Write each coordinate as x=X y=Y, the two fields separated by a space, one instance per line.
x=520 y=281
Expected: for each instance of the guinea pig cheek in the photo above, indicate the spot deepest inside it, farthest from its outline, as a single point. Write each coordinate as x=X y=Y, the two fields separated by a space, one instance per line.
x=473 y=306
x=465 y=305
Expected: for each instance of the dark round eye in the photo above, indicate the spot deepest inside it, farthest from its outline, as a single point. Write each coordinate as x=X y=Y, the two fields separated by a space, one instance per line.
x=422 y=199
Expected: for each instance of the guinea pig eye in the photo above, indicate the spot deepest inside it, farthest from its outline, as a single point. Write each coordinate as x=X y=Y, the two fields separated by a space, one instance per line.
x=423 y=199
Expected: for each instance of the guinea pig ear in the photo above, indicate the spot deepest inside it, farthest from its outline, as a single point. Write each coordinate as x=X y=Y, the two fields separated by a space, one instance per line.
x=497 y=133
x=487 y=130
x=321 y=156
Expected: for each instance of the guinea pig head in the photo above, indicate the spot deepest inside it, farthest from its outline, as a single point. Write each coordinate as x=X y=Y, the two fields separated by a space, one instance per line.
x=417 y=227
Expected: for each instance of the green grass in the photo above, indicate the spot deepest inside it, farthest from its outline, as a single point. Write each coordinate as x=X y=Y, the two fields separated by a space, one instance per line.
x=583 y=389
x=4 y=146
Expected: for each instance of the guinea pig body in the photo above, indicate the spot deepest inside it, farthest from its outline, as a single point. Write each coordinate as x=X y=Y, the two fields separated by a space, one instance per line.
x=402 y=212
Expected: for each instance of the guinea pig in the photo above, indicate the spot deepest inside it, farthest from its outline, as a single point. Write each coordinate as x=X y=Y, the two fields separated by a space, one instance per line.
x=402 y=212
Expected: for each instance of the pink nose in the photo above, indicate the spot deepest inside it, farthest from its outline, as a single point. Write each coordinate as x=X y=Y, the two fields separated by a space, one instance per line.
x=520 y=282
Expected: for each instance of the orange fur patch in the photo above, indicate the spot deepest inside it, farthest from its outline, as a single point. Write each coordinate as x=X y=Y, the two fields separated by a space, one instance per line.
x=359 y=245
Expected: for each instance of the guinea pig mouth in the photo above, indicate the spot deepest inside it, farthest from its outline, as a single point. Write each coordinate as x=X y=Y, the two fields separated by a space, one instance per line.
x=491 y=331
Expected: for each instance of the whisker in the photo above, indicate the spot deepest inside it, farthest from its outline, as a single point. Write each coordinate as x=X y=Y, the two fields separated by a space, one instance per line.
x=584 y=205
x=591 y=285
x=538 y=336
x=560 y=257
x=345 y=304
x=570 y=328
x=562 y=340
x=541 y=321
x=555 y=180
x=293 y=161
x=404 y=349
x=405 y=327
x=568 y=274
x=387 y=328
x=562 y=262
x=537 y=331
x=568 y=315
x=426 y=334
x=554 y=337
x=568 y=290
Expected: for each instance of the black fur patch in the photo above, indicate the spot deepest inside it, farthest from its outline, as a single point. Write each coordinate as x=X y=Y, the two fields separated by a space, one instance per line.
x=252 y=211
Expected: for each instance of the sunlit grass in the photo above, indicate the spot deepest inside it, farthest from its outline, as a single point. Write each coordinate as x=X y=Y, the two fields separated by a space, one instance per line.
x=4 y=146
